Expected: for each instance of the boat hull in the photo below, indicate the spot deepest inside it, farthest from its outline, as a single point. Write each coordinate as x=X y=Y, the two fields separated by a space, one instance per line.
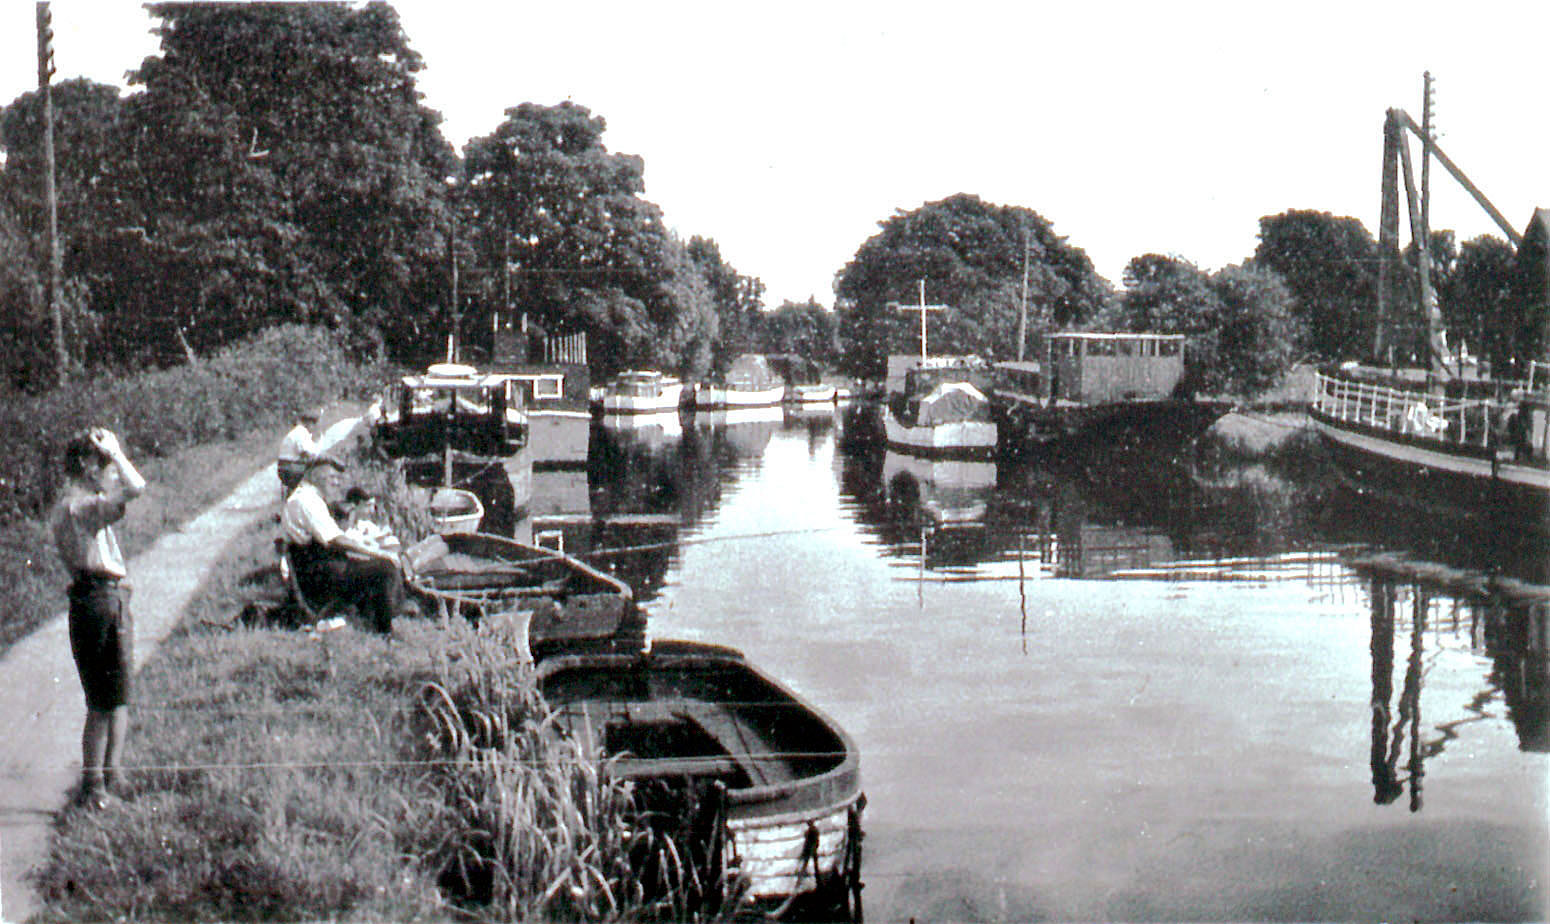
x=812 y=394
x=1432 y=477
x=666 y=399
x=964 y=438
x=718 y=398
x=791 y=776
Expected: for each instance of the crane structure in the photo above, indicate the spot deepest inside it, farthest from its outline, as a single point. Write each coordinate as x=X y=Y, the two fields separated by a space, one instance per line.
x=1396 y=161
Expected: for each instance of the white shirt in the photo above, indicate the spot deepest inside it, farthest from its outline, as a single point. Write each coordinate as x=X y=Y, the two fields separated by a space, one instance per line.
x=306 y=517
x=83 y=535
x=298 y=445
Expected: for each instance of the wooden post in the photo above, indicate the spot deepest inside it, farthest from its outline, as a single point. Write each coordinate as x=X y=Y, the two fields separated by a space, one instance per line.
x=50 y=191
x=922 y=308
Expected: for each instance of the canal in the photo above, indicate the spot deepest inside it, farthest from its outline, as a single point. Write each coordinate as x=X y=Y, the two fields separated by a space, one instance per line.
x=1116 y=687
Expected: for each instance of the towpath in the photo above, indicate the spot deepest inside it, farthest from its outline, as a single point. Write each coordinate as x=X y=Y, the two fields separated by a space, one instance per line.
x=41 y=707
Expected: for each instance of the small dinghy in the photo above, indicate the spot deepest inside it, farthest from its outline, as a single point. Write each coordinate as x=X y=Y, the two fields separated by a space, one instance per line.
x=776 y=783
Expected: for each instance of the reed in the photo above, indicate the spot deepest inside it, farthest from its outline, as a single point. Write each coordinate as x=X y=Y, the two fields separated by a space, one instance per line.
x=535 y=826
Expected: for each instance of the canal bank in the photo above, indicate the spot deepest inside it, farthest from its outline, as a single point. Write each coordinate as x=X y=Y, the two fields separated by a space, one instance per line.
x=41 y=707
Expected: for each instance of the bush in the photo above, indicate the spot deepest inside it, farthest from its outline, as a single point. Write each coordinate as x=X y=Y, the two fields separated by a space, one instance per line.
x=249 y=387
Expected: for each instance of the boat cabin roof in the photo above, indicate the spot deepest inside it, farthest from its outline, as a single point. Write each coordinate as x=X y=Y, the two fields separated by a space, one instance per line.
x=455 y=377
x=1112 y=335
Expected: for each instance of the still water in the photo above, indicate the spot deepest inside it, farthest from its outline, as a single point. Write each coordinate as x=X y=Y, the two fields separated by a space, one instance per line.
x=1118 y=688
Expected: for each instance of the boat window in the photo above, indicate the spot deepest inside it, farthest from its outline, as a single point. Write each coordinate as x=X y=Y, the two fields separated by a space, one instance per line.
x=1169 y=348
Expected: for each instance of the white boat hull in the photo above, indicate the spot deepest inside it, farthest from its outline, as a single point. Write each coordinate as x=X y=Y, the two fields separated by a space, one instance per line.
x=772 y=855
x=967 y=437
x=716 y=397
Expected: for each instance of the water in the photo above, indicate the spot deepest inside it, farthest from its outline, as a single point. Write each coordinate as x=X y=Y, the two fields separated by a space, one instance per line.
x=1138 y=689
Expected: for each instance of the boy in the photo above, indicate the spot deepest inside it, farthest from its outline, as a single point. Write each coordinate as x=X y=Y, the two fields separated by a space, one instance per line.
x=100 y=482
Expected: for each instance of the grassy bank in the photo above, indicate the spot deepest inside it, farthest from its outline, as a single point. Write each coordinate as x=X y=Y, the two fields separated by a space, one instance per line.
x=195 y=433
x=278 y=774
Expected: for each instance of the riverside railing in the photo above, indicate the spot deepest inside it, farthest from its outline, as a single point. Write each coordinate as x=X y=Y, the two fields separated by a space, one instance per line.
x=1457 y=421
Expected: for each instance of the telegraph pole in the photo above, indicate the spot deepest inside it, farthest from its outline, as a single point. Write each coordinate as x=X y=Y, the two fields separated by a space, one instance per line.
x=50 y=193
x=1022 y=316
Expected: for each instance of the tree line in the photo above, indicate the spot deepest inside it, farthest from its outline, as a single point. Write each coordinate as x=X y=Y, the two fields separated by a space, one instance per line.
x=1308 y=292
x=275 y=164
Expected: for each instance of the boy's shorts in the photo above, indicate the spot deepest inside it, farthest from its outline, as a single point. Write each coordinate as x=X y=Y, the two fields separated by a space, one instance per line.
x=102 y=640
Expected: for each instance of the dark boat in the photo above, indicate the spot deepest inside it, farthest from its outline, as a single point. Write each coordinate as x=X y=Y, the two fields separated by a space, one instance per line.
x=783 y=779
x=1105 y=387
x=1472 y=450
x=568 y=604
x=453 y=423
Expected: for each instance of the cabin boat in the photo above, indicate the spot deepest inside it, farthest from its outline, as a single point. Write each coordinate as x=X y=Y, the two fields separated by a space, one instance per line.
x=749 y=382
x=558 y=419
x=1471 y=449
x=566 y=604
x=1102 y=385
x=782 y=778
x=938 y=405
x=638 y=391
x=453 y=422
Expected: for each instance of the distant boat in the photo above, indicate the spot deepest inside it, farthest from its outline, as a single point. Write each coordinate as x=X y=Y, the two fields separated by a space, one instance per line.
x=453 y=422
x=777 y=783
x=1104 y=386
x=641 y=391
x=938 y=407
x=812 y=394
x=748 y=383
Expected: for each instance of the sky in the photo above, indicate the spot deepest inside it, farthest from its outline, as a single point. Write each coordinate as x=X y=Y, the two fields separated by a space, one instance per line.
x=787 y=132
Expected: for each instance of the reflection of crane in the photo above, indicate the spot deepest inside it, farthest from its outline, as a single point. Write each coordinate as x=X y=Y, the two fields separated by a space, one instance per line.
x=1396 y=155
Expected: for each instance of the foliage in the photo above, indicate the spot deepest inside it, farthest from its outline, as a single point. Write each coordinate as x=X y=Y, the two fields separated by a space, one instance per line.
x=737 y=299
x=808 y=329
x=1330 y=266
x=252 y=384
x=1242 y=334
x=971 y=256
x=560 y=220
x=1477 y=300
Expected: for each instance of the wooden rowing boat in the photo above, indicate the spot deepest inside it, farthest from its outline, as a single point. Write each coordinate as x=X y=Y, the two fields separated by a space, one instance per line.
x=784 y=778
x=568 y=604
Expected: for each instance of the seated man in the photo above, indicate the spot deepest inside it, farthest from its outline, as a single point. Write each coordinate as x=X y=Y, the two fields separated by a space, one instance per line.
x=331 y=562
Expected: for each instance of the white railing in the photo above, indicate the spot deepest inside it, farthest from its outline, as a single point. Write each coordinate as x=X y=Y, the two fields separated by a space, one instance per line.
x=1462 y=422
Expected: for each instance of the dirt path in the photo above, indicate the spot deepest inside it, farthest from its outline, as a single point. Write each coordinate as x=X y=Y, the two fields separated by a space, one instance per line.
x=41 y=708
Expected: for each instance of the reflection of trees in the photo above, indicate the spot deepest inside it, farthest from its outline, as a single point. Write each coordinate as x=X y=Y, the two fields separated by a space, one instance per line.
x=646 y=492
x=1507 y=619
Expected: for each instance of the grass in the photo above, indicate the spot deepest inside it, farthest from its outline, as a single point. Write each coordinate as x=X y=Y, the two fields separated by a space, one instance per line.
x=279 y=774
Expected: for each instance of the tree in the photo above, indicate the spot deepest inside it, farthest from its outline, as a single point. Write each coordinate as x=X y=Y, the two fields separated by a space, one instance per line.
x=1242 y=336
x=564 y=219
x=281 y=168
x=86 y=133
x=1329 y=264
x=1255 y=330
x=1476 y=302
x=971 y=255
x=738 y=301
x=806 y=329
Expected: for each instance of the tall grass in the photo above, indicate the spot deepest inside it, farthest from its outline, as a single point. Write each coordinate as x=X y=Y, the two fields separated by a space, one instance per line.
x=281 y=775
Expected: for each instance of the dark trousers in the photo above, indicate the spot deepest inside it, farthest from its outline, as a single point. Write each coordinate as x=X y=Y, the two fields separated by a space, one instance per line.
x=102 y=640
x=376 y=586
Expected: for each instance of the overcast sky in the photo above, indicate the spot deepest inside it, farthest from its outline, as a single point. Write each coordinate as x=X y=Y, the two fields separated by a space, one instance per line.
x=787 y=131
